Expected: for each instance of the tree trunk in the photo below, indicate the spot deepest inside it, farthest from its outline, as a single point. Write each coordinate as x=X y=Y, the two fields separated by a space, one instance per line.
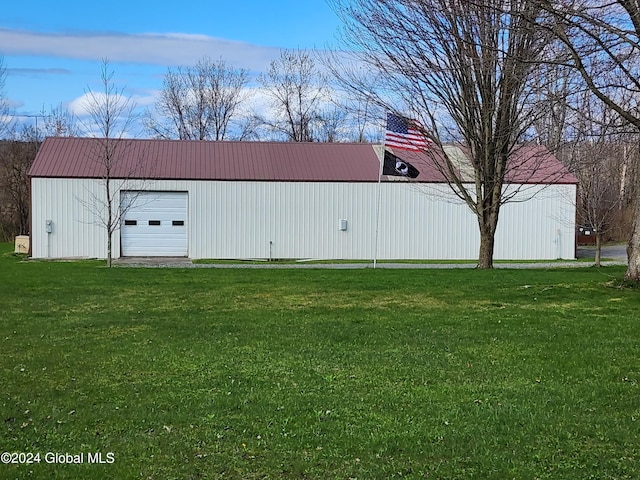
x=633 y=246
x=598 y=248
x=488 y=225
x=109 y=256
x=488 y=222
x=109 y=226
x=485 y=257
x=633 y=249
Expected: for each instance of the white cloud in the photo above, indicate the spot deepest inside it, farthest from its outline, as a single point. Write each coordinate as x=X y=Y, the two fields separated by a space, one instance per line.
x=14 y=104
x=167 y=49
x=79 y=105
x=145 y=100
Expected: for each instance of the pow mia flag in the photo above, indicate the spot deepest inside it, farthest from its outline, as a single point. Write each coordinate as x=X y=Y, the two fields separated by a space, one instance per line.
x=398 y=167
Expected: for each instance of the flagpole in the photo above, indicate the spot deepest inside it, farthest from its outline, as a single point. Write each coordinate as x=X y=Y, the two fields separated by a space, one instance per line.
x=401 y=133
x=375 y=248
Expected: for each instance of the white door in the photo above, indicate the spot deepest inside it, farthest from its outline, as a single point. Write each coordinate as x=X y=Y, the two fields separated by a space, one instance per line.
x=154 y=224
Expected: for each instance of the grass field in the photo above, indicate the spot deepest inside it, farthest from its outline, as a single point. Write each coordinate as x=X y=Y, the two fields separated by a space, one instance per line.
x=319 y=374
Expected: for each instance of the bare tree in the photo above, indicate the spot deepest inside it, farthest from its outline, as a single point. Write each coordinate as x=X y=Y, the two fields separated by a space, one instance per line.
x=598 y=193
x=17 y=153
x=59 y=122
x=331 y=125
x=9 y=212
x=5 y=122
x=598 y=160
x=297 y=90
x=16 y=156
x=112 y=115
x=357 y=118
x=364 y=115
x=200 y=102
x=603 y=47
x=594 y=149
x=465 y=70
x=553 y=107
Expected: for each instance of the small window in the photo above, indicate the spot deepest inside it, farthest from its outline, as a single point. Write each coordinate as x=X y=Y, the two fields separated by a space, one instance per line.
x=178 y=223
x=131 y=222
x=155 y=223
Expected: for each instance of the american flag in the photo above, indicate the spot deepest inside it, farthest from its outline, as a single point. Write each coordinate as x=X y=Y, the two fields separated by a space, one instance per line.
x=404 y=134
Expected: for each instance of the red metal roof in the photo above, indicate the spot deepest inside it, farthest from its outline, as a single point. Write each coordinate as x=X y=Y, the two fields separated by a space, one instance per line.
x=535 y=164
x=532 y=164
x=201 y=160
x=65 y=157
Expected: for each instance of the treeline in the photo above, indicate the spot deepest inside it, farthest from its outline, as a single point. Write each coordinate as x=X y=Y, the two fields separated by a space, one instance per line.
x=296 y=100
x=16 y=157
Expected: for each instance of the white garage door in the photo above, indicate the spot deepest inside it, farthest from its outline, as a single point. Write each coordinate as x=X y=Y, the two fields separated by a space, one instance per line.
x=154 y=224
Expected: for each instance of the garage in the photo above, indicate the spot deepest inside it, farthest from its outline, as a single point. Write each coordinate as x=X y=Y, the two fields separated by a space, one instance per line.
x=154 y=224
x=271 y=200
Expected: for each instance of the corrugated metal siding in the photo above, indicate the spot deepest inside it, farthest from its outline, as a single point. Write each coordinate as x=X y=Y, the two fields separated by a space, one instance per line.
x=67 y=203
x=540 y=226
x=240 y=219
x=425 y=222
x=281 y=220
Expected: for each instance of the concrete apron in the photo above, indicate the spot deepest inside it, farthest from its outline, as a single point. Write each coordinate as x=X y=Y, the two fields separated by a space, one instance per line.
x=153 y=261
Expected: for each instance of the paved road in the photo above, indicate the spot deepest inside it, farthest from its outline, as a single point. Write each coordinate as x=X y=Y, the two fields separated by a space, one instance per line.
x=615 y=255
x=616 y=252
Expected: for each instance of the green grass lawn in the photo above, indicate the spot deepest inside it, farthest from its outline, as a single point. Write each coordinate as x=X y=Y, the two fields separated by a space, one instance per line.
x=319 y=374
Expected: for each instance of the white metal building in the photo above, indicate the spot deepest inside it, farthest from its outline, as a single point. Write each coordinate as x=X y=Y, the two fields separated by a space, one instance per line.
x=280 y=200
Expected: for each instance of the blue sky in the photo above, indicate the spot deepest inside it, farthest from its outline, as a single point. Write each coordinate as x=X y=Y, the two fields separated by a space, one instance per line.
x=53 y=50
